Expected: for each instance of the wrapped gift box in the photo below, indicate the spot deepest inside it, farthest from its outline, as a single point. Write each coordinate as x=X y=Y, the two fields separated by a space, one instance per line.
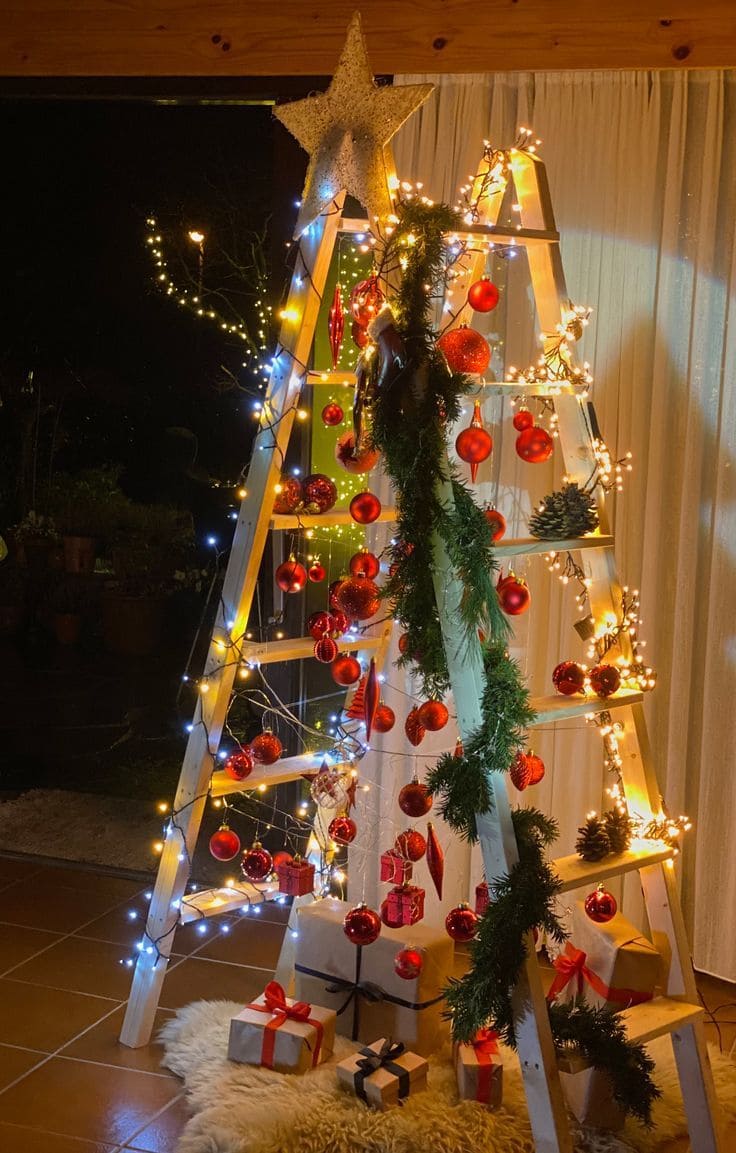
x=405 y=905
x=479 y=1070
x=329 y=966
x=295 y=877
x=282 y=1034
x=589 y=1097
x=395 y=868
x=482 y=898
x=383 y=1074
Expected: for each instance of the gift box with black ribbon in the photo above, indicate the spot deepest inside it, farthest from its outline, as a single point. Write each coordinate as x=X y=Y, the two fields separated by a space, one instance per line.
x=282 y=1034
x=479 y=1069
x=383 y=1074
x=361 y=985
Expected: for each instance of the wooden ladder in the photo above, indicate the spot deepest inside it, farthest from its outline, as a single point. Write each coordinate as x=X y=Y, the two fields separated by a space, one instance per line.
x=678 y=1013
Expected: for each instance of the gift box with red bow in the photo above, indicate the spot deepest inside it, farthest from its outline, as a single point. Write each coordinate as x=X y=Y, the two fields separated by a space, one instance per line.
x=395 y=868
x=479 y=1069
x=282 y=1034
x=383 y=1074
x=296 y=877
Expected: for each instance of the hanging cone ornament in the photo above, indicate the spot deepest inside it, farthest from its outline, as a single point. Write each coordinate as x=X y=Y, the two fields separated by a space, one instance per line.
x=371 y=697
x=356 y=709
x=414 y=728
x=474 y=444
x=435 y=859
x=336 y=326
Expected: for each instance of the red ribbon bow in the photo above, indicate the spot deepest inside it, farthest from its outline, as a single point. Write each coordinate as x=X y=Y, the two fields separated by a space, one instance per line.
x=485 y=1045
x=280 y=1010
x=570 y=965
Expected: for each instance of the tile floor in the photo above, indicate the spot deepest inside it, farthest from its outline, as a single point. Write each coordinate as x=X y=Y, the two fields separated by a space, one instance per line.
x=66 y=1084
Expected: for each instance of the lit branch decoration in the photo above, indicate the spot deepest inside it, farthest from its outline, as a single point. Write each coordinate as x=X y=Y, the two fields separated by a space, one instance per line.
x=635 y=673
x=555 y=365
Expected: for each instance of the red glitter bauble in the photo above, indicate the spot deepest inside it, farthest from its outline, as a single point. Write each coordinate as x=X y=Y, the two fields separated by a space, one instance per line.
x=408 y=964
x=483 y=295
x=384 y=720
x=332 y=414
x=332 y=591
x=339 y=622
x=497 y=521
x=239 y=764
x=316 y=572
x=465 y=350
x=345 y=670
x=365 y=564
x=527 y=769
x=415 y=799
x=320 y=493
x=411 y=845
x=357 y=597
x=461 y=923
x=343 y=830
x=291 y=576
x=601 y=906
x=362 y=925
x=392 y=922
x=359 y=334
x=403 y=642
x=514 y=597
x=281 y=858
x=288 y=496
x=352 y=461
x=434 y=715
x=224 y=844
x=605 y=680
x=414 y=728
x=474 y=445
x=256 y=863
x=534 y=445
x=325 y=650
x=319 y=624
x=266 y=748
x=569 y=678
x=365 y=507
x=523 y=419
x=366 y=300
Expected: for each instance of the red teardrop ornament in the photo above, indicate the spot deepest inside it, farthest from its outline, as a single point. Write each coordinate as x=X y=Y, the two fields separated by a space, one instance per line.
x=371 y=697
x=366 y=300
x=414 y=728
x=336 y=326
x=474 y=444
x=435 y=859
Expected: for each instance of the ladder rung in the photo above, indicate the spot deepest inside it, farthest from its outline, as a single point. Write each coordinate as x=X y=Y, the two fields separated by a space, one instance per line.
x=522 y=388
x=484 y=232
x=326 y=520
x=574 y=872
x=211 y=902
x=299 y=648
x=531 y=544
x=660 y=1015
x=558 y=708
x=288 y=769
x=315 y=377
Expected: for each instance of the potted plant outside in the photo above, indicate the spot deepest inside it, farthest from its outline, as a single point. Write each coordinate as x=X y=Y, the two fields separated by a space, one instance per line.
x=87 y=508
x=36 y=539
x=68 y=605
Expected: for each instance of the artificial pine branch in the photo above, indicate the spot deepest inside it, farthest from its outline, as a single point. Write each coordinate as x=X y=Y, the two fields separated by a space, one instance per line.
x=592 y=842
x=571 y=512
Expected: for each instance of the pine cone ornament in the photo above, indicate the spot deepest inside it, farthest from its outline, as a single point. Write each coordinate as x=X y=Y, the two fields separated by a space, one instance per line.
x=618 y=829
x=569 y=513
x=593 y=843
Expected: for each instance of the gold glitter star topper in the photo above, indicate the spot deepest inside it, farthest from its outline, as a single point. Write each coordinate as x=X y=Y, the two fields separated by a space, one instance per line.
x=346 y=129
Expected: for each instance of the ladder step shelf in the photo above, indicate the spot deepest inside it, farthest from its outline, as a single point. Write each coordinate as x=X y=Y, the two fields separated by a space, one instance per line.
x=510 y=388
x=212 y=902
x=557 y=708
x=574 y=872
x=484 y=233
x=659 y=1016
x=263 y=776
x=338 y=516
x=299 y=648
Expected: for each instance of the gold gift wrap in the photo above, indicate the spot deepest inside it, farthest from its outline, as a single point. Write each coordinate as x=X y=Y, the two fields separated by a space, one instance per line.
x=625 y=964
x=278 y=1032
x=383 y=1074
x=479 y=1070
x=329 y=966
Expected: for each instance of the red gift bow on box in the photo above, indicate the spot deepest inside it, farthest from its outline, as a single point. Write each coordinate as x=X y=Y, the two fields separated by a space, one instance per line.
x=485 y=1044
x=276 y=1004
x=571 y=965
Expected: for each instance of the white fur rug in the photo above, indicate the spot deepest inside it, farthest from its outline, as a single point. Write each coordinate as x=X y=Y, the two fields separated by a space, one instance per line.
x=245 y=1109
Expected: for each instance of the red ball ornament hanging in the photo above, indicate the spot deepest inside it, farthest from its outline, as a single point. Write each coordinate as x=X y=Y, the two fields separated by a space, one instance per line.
x=497 y=521
x=336 y=326
x=365 y=507
x=569 y=678
x=461 y=923
x=390 y=914
x=358 y=334
x=256 y=863
x=291 y=577
x=411 y=844
x=281 y=858
x=465 y=350
x=224 y=844
x=362 y=460
x=362 y=925
x=339 y=623
x=332 y=415
x=605 y=680
x=325 y=650
x=523 y=420
x=514 y=596
x=345 y=670
x=414 y=728
x=474 y=444
x=415 y=799
x=288 y=495
x=408 y=964
x=434 y=715
x=366 y=300
x=384 y=720
x=332 y=591
x=320 y=493
x=239 y=764
x=357 y=597
x=319 y=624
x=534 y=445
x=527 y=769
x=601 y=906
x=316 y=572
x=483 y=295
x=266 y=748
x=343 y=830
x=365 y=564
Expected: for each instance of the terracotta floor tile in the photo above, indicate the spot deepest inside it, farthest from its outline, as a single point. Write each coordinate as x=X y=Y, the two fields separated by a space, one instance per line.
x=12 y=870
x=80 y=965
x=39 y=1018
x=79 y=1099
x=52 y=906
x=18 y=943
x=117 y=925
x=91 y=881
x=15 y=1062
x=195 y=980
x=162 y=1134
x=101 y=1044
x=251 y=941
x=17 y=1139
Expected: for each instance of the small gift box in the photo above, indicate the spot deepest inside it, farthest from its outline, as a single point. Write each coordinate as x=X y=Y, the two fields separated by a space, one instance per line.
x=589 y=1097
x=405 y=905
x=482 y=898
x=383 y=1074
x=479 y=1070
x=295 y=877
x=282 y=1034
x=395 y=868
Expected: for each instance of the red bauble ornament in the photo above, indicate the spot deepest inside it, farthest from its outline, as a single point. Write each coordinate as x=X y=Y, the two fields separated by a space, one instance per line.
x=474 y=444
x=339 y=622
x=411 y=845
x=514 y=596
x=534 y=445
x=256 y=863
x=390 y=915
x=316 y=572
x=365 y=507
x=336 y=328
x=362 y=925
x=408 y=964
x=483 y=295
x=497 y=521
x=415 y=799
x=319 y=624
x=291 y=577
x=434 y=715
x=239 y=764
x=461 y=923
x=288 y=495
x=403 y=642
x=569 y=678
x=332 y=414
x=365 y=564
x=332 y=591
x=319 y=492
x=414 y=728
x=345 y=670
x=266 y=748
x=527 y=769
x=366 y=300
x=359 y=334
x=601 y=906
x=357 y=597
x=523 y=419
x=281 y=858
x=605 y=680
x=355 y=462
x=465 y=350
x=343 y=830
x=224 y=844
x=384 y=720
x=325 y=650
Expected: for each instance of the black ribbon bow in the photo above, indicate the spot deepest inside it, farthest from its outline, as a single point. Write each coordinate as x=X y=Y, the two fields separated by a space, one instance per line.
x=370 y=1061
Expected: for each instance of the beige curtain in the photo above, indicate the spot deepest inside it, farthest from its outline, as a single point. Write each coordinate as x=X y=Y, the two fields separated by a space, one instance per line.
x=642 y=170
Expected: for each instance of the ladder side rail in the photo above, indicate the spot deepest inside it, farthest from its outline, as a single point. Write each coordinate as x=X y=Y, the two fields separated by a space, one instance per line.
x=545 y=260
